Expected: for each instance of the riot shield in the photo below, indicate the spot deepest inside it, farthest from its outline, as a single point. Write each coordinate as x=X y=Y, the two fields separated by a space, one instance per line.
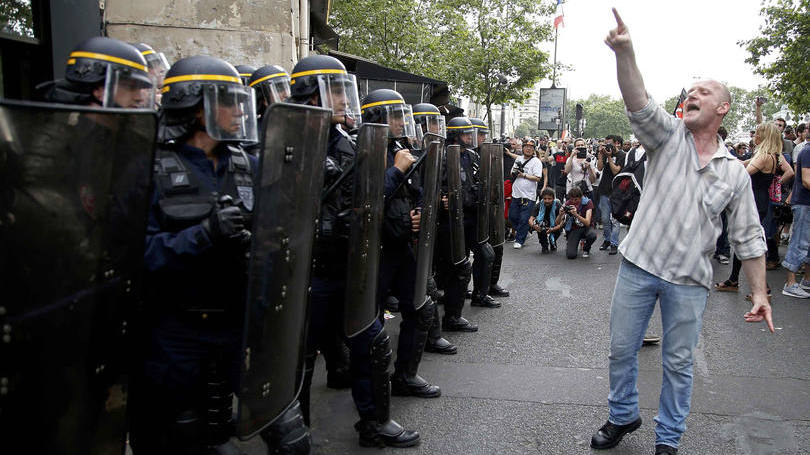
x=455 y=203
x=74 y=198
x=497 y=222
x=284 y=221
x=482 y=225
x=360 y=308
x=427 y=226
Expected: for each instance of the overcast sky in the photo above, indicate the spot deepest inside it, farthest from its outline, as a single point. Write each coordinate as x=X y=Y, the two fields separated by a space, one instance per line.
x=676 y=41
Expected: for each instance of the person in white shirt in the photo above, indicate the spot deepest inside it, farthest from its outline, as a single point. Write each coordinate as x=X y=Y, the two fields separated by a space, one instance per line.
x=526 y=173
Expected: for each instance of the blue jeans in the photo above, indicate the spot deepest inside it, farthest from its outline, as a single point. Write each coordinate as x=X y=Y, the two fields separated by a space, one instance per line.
x=798 y=251
x=682 y=309
x=519 y=212
x=610 y=226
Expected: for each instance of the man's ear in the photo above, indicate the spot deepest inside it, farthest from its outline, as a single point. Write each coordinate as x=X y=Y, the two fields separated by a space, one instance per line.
x=723 y=108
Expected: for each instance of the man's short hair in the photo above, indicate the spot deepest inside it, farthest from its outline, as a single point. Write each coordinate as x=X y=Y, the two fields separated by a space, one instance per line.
x=615 y=138
x=800 y=128
x=548 y=192
x=722 y=132
x=780 y=119
x=574 y=192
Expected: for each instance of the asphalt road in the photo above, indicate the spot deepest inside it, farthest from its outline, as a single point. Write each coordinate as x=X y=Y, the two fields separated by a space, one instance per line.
x=534 y=379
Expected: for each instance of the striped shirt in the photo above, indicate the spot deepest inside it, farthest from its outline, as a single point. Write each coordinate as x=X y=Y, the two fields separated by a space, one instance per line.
x=677 y=223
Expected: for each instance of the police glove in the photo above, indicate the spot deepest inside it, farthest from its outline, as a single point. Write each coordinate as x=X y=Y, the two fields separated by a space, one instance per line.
x=224 y=223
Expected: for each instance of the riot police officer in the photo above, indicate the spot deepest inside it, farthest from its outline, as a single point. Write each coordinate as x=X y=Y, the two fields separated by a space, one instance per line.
x=103 y=72
x=431 y=120
x=484 y=253
x=401 y=222
x=272 y=85
x=196 y=245
x=455 y=278
x=323 y=81
x=156 y=63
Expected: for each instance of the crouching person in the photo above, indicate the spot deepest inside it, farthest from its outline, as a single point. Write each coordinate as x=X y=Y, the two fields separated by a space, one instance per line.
x=576 y=215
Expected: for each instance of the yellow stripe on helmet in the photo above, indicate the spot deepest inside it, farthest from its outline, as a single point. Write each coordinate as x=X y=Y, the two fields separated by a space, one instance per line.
x=311 y=72
x=107 y=58
x=381 y=103
x=463 y=127
x=201 y=77
x=245 y=74
x=147 y=52
x=427 y=113
x=260 y=80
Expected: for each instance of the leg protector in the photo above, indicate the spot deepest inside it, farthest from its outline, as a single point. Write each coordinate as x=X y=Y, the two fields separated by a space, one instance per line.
x=424 y=321
x=482 y=269
x=220 y=405
x=303 y=397
x=456 y=288
x=380 y=376
x=288 y=435
x=496 y=265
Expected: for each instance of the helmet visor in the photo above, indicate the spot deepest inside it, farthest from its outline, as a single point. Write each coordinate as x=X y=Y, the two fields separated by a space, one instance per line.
x=339 y=93
x=435 y=124
x=275 y=90
x=399 y=118
x=467 y=135
x=482 y=135
x=157 y=64
x=230 y=113
x=128 y=88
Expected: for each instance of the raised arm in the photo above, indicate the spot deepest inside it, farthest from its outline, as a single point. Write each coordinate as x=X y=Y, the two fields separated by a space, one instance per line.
x=631 y=83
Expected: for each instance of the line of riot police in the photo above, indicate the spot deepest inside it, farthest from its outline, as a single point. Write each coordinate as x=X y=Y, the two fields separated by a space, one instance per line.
x=164 y=265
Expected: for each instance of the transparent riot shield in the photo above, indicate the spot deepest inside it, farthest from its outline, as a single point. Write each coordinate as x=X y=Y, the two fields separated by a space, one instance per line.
x=484 y=168
x=427 y=226
x=497 y=222
x=284 y=221
x=365 y=219
x=74 y=197
x=455 y=204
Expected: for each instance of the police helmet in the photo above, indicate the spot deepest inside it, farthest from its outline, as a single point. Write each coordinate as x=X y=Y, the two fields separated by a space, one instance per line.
x=430 y=119
x=461 y=131
x=229 y=107
x=388 y=107
x=155 y=61
x=99 y=62
x=481 y=127
x=327 y=77
x=245 y=72
x=271 y=83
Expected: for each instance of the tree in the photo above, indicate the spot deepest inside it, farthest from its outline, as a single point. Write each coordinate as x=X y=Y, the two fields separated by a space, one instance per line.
x=603 y=116
x=781 y=49
x=488 y=50
x=16 y=18
x=528 y=127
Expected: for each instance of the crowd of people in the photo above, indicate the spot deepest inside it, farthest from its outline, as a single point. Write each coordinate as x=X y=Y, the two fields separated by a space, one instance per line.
x=371 y=237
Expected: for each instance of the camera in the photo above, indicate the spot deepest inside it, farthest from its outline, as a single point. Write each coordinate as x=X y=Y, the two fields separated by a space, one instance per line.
x=569 y=209
x=582 y=152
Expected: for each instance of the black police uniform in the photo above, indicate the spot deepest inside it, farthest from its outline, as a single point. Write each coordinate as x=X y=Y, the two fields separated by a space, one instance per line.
x=195 y=302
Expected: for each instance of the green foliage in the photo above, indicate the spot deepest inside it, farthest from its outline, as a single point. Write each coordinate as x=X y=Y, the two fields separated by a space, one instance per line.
x=781 y=50
x=488 y=50
x=528 y=127
x=16 y=18
x=604 y=115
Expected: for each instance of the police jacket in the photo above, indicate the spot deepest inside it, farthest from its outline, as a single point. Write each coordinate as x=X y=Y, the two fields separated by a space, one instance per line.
x=331 y=247
x=401 y=197
x=185 y=270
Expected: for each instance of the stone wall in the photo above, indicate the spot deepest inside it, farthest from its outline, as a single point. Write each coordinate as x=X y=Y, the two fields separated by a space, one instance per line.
x=251 y=32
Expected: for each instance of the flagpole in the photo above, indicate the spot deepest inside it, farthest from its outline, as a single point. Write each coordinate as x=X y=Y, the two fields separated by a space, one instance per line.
x=554 y=74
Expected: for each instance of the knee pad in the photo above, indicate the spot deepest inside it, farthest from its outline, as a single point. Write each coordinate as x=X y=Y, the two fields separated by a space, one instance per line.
x=487 y=252
x=463 y=271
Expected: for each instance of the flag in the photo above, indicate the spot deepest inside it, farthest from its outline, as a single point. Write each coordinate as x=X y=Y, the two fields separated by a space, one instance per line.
x=559 y=19
x=678 y=112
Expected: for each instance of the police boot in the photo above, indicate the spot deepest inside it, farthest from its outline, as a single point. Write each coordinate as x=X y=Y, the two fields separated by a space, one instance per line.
x=379 y=430
x=494 y=289
x=482 y=276
x=288 y=435
x=435 y=342
x=483 y=300
x=406 y=381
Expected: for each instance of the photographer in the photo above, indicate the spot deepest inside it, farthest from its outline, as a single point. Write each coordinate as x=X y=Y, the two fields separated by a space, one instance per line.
x=544 y=221
x=579 y=170
x=576 y=214
x=526 y=173
x=609 y=161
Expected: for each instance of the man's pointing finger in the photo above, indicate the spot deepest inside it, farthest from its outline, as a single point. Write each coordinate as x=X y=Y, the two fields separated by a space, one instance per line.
x=619 y=21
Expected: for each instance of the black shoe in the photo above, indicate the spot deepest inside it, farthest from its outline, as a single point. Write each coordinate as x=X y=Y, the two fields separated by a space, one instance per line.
x=544 y=250
x=484 y=301
x=553 y=247
x=610 y=435
x=339 y=379
x=613 y=250
x=663 y=449
x=605 y=245
x=416 y=386
x=459 y=324
x=468 y=295
x=390 y=433
x=441 y=346
x=497 y=291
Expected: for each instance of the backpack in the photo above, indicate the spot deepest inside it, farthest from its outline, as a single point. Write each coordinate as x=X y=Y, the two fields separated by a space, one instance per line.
x=625 y=192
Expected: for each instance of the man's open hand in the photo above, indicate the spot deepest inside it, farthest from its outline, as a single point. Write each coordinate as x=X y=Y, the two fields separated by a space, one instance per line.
x=760 y=311
x=618 y=39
